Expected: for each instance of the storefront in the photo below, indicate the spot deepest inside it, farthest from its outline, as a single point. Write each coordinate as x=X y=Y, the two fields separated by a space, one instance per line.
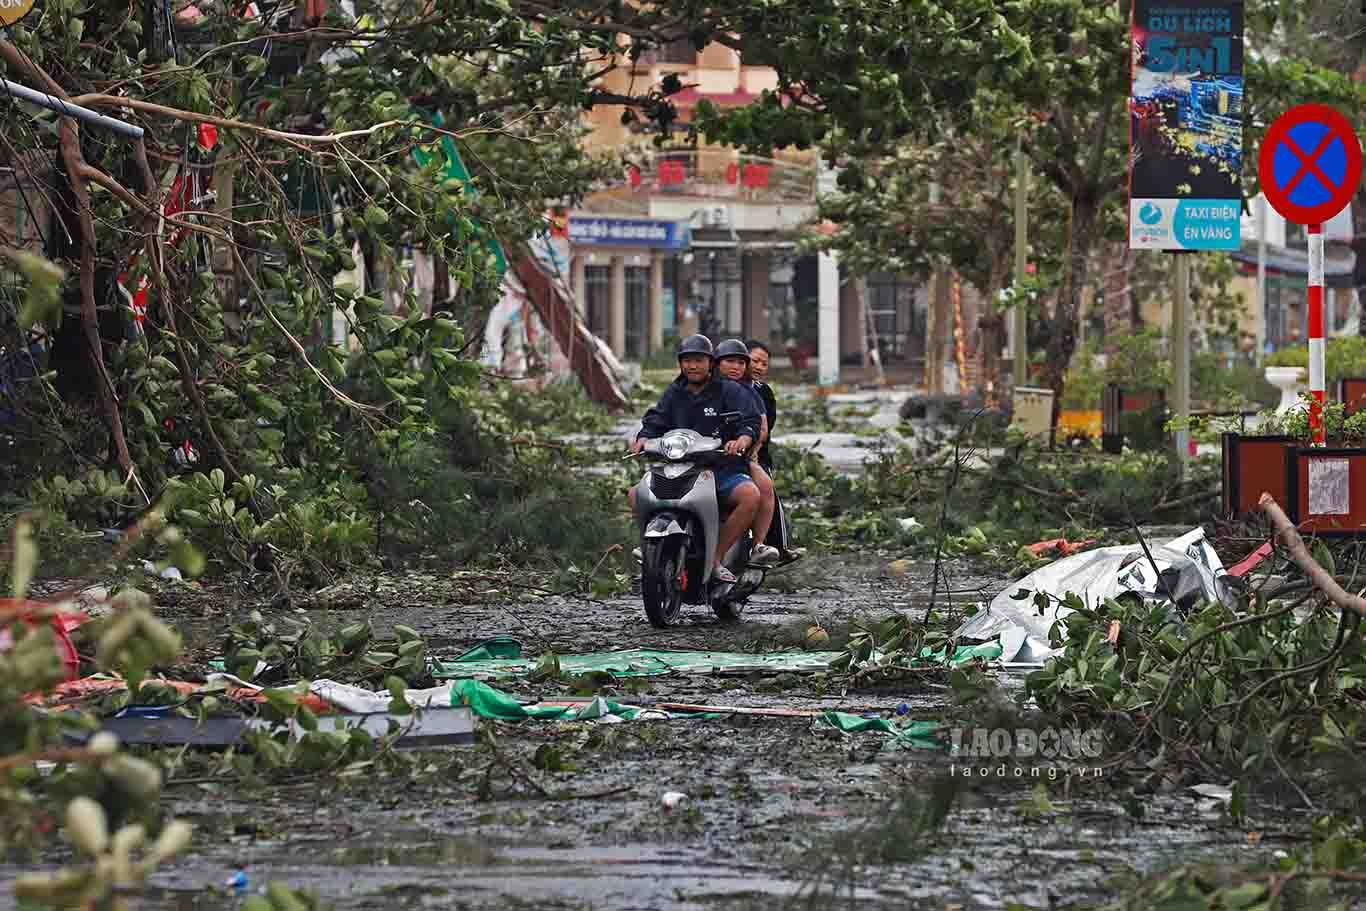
x=625 y=278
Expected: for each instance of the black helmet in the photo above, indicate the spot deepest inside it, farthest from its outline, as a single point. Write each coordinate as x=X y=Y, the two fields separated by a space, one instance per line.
x=732 y=347
x=695 y=344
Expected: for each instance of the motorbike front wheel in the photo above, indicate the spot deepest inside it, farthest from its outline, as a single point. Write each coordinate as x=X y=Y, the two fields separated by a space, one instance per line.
x=661 y=579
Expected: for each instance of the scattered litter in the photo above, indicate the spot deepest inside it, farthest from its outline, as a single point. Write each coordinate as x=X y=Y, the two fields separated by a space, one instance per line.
x=1214 y=791
x=638 y=663
x=362 y=701
x=238 y=882
x=672 y=800
x=1062 y=546
x=169 y=572
x=649 y=663
x=436 y=727
x=915 y=733
x=63 y=623
x=1190 y=572
x=63 y=694
x=911 y=524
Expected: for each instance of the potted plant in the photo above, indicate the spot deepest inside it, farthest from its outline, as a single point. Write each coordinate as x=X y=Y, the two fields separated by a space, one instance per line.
x=1259 y=463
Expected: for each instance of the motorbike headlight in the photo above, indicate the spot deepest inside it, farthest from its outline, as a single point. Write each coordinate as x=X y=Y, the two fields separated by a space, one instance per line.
x=674 y=446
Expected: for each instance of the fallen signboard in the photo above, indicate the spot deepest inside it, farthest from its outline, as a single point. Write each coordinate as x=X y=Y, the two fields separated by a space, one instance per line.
x=428 y=728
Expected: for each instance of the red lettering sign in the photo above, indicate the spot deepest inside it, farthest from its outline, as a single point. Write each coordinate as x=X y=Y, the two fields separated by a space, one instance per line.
x=756 y=175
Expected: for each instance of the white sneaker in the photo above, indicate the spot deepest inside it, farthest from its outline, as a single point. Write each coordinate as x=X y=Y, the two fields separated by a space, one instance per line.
x=722 y=574
x=764 y=555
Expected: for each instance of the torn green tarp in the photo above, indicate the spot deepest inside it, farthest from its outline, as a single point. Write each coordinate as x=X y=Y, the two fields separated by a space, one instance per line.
x=650 y=662
x=917 y=733
x=488 y=702
x=489 y=649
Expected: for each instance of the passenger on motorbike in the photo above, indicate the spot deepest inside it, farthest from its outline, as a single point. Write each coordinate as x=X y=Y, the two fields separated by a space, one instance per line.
x=780 y=534
x=696 y=401
x=732 y=361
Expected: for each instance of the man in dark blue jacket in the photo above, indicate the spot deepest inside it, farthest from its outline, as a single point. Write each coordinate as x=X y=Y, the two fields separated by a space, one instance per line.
x=696 y=401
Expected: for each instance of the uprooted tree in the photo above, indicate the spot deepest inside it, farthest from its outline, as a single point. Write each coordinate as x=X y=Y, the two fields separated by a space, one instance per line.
x=201 y=259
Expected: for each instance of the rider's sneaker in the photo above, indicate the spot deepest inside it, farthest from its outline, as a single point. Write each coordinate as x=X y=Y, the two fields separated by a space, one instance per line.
x=764 y=555
x=721 y=574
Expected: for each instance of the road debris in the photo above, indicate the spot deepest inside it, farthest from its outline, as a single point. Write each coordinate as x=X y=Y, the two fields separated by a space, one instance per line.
x=1186 y=571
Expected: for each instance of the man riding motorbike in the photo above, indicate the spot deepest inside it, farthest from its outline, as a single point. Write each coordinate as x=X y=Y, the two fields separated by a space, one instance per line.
x=696 y=401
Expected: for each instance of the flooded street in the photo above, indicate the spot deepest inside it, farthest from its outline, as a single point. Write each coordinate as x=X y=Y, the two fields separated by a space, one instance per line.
x=778 y=812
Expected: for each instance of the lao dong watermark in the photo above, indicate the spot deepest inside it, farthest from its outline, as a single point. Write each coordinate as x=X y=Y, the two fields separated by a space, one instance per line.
x=1025 y=753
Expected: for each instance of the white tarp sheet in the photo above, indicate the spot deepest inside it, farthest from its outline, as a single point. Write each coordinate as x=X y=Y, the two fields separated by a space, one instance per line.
x=1190 y=573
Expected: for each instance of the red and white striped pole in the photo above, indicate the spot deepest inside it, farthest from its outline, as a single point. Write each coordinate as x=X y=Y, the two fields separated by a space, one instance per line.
x=1317 y=373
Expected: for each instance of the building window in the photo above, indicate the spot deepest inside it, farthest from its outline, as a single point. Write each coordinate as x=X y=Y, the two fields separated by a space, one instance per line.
x=637 y=311
x=891 y=300
x=678 y=51
x=597 y=296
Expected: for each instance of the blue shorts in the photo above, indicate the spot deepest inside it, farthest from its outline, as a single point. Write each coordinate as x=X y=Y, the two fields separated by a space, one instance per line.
x=728 y=481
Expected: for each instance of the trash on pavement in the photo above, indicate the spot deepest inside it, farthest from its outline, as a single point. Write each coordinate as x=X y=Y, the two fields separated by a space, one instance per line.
x=916 y=733
x=172 y=573
x=1063 y=547
x=62 y=623
x=672 y=800
x=1188 y=571
x=436 y=727
x=649 y=663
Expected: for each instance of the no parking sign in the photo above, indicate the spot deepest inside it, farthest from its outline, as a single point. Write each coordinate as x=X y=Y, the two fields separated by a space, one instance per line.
x=1310 y=164
x=1310 y=168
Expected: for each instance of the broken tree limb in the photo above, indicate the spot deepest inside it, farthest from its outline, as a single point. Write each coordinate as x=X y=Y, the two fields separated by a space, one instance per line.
x=1299 y=554
x=71 y=155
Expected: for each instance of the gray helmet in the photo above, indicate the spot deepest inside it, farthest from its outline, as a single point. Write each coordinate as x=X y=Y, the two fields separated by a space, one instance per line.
x=695 y=344
x=732 y=347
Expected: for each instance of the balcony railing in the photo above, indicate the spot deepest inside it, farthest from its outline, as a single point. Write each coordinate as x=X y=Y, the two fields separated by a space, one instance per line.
x=721 y=174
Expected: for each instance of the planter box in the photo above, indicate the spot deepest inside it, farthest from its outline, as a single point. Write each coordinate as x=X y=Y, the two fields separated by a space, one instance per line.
x=1139 y=414
x=1352 y=393
x=1327 y=491
x=1253 y=465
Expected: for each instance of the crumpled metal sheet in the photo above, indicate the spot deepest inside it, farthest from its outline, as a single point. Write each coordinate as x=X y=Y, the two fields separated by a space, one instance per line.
x=1190 y=573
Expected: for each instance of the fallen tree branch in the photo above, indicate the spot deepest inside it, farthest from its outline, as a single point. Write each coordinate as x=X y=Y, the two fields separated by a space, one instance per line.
x=90 y=321
x=96 y=100
x=1299 y=554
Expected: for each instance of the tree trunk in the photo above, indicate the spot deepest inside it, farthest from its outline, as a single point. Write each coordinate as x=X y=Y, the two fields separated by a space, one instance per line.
x=1062 y=340
x=1118 y=266
x=1359 y=248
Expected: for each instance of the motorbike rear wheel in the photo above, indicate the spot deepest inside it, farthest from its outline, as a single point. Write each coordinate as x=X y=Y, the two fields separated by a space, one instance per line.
x=661 y=580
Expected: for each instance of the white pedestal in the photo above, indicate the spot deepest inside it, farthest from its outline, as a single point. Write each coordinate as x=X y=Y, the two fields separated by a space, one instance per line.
x=1291 y=382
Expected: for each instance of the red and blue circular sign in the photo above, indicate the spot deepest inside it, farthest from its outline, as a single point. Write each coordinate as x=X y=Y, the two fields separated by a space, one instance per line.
x=1310 y=164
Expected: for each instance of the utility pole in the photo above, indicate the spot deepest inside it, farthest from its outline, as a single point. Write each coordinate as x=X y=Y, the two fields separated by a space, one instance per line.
x=1261 y=280
x=1019 y=317
x=934 y=311
x=1181 y=360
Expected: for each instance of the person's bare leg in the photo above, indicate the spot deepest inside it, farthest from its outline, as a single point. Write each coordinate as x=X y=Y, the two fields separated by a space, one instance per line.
x=763 y=516
x=743 y=504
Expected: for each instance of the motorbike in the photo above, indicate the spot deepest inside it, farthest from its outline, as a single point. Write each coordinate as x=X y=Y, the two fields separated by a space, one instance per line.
x=680 y=521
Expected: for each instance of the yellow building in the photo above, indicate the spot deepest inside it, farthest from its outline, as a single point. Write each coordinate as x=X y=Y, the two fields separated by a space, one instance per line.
x=699 y=237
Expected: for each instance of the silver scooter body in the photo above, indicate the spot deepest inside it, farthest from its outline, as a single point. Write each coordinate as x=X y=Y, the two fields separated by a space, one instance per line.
x=677 y=512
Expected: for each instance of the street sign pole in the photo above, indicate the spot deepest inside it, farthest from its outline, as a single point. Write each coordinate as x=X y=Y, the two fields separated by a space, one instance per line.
x=1019 y=314
x=1317 y=371
x=1181 y=361
x=1310 y=168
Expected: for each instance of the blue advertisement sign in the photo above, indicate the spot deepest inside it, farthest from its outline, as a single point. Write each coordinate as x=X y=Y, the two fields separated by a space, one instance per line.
x=629 y=232
x=1186 y=125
